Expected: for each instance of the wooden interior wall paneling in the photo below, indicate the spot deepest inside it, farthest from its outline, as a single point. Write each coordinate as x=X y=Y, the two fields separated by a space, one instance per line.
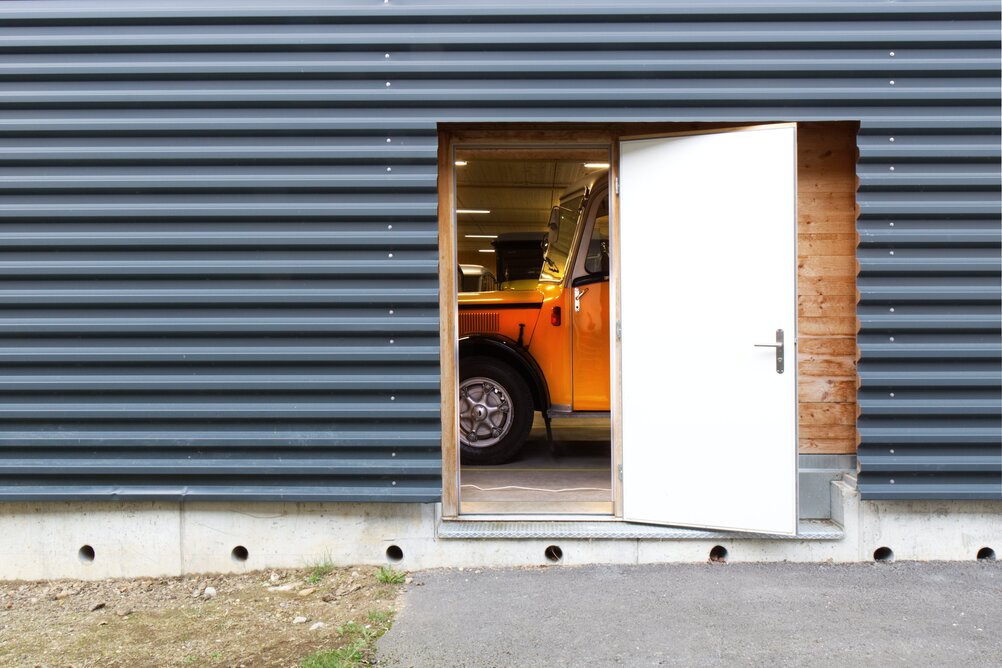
x=827 y=295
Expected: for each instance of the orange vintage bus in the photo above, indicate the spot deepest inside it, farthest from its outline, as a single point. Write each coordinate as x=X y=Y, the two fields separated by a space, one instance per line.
x=541 y=349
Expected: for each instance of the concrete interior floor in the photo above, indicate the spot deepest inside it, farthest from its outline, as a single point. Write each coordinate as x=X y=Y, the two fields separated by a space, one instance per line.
x=574 y=476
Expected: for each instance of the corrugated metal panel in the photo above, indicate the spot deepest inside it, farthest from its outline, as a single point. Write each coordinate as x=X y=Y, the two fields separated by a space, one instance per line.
x=218 y=221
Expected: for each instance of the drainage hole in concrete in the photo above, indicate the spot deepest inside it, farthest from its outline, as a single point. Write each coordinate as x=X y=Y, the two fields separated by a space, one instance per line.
x=986 y=554
x=394 y=553
x=883 y=554
x=718 y=554
x=554 y=554
x=240 y=553
x=86 y=554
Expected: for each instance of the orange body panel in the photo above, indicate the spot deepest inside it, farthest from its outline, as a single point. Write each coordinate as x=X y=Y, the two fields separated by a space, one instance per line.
x=591 y=348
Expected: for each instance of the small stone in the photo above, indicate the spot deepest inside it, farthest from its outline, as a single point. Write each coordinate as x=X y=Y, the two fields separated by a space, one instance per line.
x=307 y=591
x=317 y=625
x=66 y=593
x=97 y=606
x=300 y=620
x=285 y=587
x=210 y=592
x=123 y=611
x=327 y=598
x=408 y=580
x=275 y=577
x=354 y=574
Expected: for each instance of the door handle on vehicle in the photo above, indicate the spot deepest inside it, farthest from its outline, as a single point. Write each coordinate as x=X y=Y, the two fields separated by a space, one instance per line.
x=779 y=346
x=578 y=294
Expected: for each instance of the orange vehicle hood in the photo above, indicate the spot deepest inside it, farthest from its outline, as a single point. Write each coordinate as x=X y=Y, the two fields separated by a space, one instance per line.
x=503 y=312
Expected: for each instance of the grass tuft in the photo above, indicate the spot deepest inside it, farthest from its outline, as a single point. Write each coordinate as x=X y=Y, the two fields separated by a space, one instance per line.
x=358 y=648
x=388 y=575
x=319 y=569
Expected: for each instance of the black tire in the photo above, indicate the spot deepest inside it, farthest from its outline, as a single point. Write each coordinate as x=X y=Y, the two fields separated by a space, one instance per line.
x=505 y=386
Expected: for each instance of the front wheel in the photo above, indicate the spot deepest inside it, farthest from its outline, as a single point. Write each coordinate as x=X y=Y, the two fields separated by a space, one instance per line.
x=495 y=411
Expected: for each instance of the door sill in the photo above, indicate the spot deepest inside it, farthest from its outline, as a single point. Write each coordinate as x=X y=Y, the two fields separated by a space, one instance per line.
x=613 y=528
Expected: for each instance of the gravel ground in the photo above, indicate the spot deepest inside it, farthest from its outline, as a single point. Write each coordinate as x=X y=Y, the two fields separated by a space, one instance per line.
x=914 y=614
x=265 y=618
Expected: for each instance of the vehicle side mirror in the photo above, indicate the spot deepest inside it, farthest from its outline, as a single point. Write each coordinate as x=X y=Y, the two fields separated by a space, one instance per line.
x=552 y=228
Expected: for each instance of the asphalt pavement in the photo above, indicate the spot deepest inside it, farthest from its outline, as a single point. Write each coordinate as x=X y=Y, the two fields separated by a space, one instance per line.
x=908 y=614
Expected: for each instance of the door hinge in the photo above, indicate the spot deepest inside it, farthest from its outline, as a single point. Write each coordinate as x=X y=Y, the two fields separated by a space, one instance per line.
x=619 y=472
x=619 y=330
x=617 y=185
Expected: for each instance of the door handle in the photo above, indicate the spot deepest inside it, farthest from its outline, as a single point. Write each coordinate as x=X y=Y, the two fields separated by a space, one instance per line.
x=779 y=346
x=578 y=294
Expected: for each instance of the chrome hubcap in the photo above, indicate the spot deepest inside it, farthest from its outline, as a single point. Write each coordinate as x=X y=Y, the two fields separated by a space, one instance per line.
x=484 y=412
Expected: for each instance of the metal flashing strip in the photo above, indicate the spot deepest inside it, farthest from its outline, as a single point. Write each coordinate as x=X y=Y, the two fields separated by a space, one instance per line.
x=514 y=530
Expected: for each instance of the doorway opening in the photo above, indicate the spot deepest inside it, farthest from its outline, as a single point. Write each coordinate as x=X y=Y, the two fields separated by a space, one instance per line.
x=531 y=225
x=713 y=210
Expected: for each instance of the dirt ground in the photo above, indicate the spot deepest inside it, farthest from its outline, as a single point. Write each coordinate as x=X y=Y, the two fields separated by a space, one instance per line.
x=268 y=618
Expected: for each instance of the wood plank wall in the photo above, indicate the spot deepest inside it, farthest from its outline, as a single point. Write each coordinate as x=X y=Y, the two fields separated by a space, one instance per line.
x=826 y=275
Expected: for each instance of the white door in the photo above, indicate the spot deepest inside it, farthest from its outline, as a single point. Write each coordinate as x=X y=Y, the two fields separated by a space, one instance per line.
x=707 y=271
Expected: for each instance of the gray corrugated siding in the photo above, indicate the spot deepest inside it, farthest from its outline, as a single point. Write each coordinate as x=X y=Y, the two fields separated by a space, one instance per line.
x=219 y=239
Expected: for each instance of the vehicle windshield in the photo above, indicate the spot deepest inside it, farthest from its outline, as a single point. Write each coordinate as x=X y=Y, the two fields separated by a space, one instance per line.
x=563 y=222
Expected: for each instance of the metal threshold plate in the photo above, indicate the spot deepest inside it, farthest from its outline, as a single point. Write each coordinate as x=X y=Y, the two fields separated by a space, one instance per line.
x=807 y=530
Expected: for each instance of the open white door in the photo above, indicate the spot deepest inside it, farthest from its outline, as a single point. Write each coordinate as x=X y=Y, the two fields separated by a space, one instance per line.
x=708 y=270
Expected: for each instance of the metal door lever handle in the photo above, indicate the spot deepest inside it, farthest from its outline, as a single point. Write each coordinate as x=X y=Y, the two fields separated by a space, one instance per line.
x=779 y=345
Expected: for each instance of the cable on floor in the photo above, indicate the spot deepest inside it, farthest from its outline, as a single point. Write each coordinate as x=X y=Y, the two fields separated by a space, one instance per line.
x=539 y=489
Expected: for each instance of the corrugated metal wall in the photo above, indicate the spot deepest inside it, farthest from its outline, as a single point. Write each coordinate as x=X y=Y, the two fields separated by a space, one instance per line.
x=219 y=238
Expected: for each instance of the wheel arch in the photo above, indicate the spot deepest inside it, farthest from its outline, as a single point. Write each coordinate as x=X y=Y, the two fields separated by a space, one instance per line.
x=508 y=351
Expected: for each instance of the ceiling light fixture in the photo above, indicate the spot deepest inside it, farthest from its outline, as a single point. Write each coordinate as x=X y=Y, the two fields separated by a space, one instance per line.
x=472 y=210
x=486 y=250
x=461 y=163
x=481 y=236
x=596 y=165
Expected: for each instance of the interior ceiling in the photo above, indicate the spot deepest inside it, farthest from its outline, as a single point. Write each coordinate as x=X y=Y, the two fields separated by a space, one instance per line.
x=518 y=193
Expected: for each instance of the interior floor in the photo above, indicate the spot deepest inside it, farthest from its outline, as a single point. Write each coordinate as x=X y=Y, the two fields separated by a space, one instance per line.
x=573 y=476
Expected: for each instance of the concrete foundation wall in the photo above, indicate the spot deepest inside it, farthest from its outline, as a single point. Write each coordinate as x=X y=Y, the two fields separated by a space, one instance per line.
x=146 y=539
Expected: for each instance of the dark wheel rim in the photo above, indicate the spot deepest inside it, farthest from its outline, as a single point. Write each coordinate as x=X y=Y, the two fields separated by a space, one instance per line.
x=485 y=412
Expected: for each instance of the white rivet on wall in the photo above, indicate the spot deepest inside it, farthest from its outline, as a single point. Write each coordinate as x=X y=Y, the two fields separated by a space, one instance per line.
x=390 y=227
x=891 y=309
x=391 y=254
x=891 y=168
x=891 y=82
x=388 y=140
x=892 y=338
x=386 y=55
x=393 y=454
x=892 y=395
x=892 y=481
x=388 y=84
x=891 y=224
x=391 y=311
x=892 y=54
x=892 y=451
x=890 y=139
x=891 y=252
x=389 y=169
x=395 y=482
